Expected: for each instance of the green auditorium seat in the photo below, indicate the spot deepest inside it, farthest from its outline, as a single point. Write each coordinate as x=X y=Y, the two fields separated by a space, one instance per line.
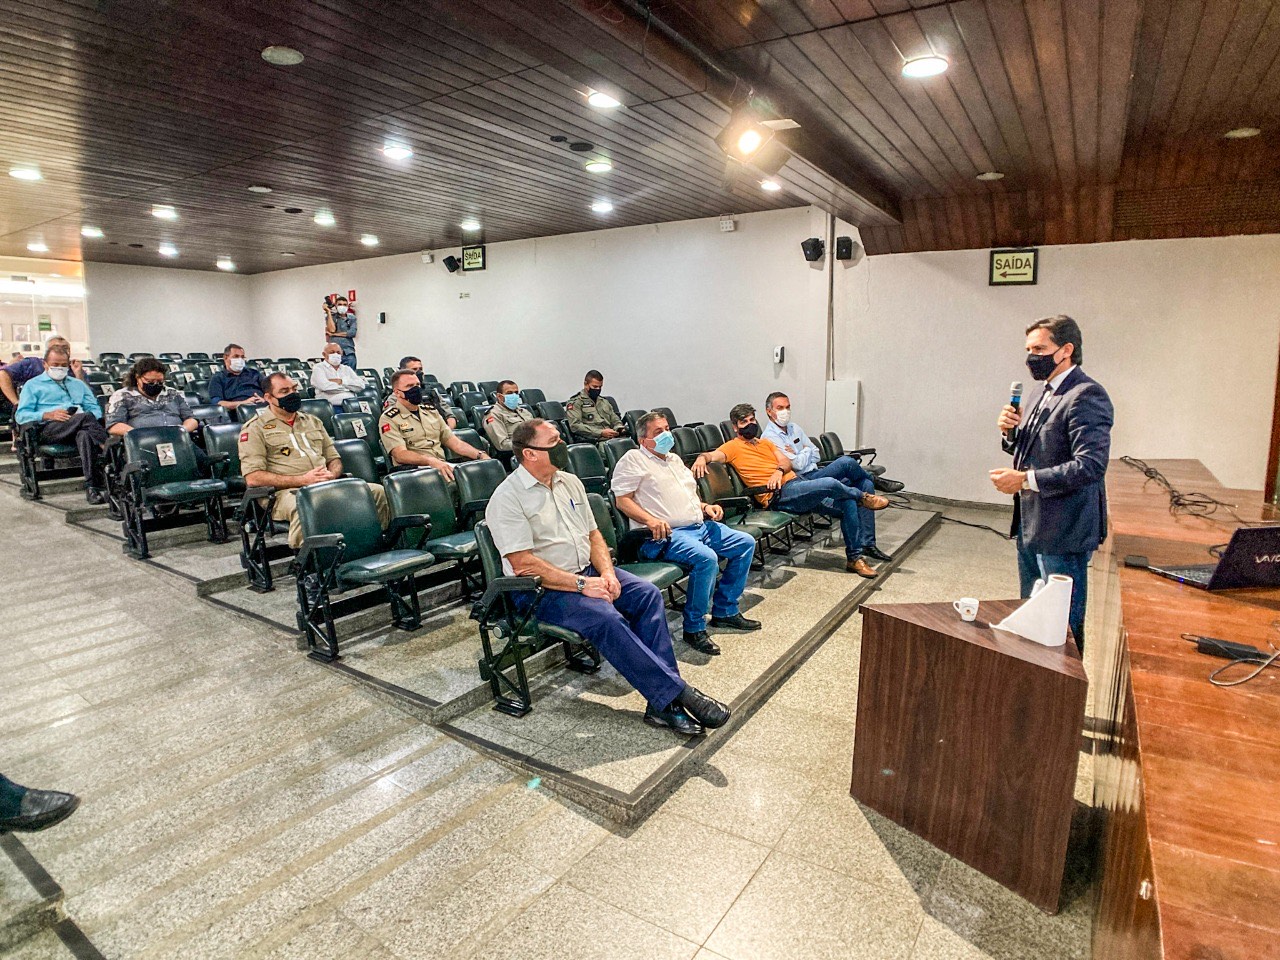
x=476 y=481
x=661 y=574
x=688 y=445
x=39 y=461
x=322 y=409
x=469 y=436
x=531 y=396
x=588 y=466
x=709 y=437
x=364 y=427
x=424 y=491
x=160 y=470
x=614 y=450
x=357 y=461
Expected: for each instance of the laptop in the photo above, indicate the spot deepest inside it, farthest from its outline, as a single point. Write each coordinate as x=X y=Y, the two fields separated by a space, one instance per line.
x=1251 y=559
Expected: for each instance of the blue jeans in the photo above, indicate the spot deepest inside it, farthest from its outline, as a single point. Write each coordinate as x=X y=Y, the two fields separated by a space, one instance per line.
x=699 y=548
x=1034 y=566
x=829 y=497
x=850 y=472
x=631 y=633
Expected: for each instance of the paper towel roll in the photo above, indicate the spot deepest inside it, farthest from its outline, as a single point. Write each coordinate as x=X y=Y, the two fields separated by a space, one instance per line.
x=1043 y=618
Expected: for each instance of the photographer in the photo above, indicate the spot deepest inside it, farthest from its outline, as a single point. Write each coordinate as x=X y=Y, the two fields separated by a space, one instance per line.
x=340 y=327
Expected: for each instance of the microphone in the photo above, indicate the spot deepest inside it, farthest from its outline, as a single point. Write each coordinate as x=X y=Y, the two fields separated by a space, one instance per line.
x=1015 y=395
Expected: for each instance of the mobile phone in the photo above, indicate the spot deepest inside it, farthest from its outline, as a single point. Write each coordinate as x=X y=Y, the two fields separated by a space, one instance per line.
x=73 y=410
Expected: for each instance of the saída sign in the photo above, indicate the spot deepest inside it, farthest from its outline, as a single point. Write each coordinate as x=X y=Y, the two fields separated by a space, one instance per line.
x=1013 y=267
x=473 y=257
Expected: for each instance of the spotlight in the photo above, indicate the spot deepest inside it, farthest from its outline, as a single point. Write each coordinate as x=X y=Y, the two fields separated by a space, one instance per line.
x=279 y=56
x=602 y=206
x=743 y=136
x=91 y=233
x=470 y=224
x=813 y=249
x=26 y=173
x=451 y=264
x=369 y=240
x=167 y=250
x=599 y=166
x=770 y=186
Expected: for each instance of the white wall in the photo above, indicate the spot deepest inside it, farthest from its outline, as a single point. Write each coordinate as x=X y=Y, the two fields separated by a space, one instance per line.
x=677 y=314
x=1182 y=333
x=158 y=309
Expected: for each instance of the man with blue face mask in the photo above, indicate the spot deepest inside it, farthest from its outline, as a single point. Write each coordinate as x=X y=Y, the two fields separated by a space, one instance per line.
x=64 y=412
x=654 y=488
x=503 y=418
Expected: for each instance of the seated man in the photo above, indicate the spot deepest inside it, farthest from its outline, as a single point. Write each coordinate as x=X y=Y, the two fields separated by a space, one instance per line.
x=762 y=465
x=430 y=397
x=286 y=449
x=235 y=383
x=592 y=417
x=803 y=455
x=67 y=413
x=655 y=489
x=16 y=373
x=25 y=809
x=503 y=418
x=414 y=434
x=544 y=527
x=145 y=401
x=333 y=380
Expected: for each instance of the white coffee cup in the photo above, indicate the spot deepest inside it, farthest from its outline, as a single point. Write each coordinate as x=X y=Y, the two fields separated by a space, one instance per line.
x=967 y=607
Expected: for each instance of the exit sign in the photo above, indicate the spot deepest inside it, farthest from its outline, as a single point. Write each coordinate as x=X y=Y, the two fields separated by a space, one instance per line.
x=1013 y=267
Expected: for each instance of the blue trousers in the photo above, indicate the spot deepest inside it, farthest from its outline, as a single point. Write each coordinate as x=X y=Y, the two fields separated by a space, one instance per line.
x=850 y=472
x=1034 y=566
x=699 y=548
x=832 y=498
x=631 y=633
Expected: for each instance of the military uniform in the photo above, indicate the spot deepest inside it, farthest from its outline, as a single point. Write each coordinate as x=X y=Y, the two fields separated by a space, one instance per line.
x=589 y=418
x=420 y=431
x=269 y=443
x=500 y=423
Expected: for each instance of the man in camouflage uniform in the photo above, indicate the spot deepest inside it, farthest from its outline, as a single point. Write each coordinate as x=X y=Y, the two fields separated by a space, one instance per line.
x=504 y=416
x=413 y=433
x=286 y=449
x=591 y=416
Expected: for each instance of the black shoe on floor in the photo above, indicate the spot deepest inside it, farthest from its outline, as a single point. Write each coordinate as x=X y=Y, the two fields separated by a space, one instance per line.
x=887 y=486
x=875 y=553
x=673 y=718
x=736 y=622
x=94 y=496
x=708 y=712
x=702 y=643
x=40 y=809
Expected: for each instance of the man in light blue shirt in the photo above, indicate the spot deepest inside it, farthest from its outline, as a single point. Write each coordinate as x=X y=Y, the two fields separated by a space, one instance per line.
x=804 y=455
x=64 y=411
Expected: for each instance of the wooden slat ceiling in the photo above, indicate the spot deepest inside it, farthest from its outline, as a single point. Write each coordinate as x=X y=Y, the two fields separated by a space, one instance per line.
x=1097 y=111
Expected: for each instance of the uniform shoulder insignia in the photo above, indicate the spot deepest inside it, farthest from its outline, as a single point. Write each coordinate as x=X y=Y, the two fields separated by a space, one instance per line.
x=394 y=411
x=490 y=419
x=266 y=425
x=386 y=428
x=244 y=436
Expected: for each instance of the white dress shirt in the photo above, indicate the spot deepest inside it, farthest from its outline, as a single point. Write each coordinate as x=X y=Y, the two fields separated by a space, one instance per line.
x=663 y=487
x=555 y=523
x=1050 y=389
x=324 y=373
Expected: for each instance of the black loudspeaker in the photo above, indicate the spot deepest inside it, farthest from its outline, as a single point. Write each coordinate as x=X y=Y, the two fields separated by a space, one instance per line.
x=844 y=248
x=453 y=264
x=813 y=249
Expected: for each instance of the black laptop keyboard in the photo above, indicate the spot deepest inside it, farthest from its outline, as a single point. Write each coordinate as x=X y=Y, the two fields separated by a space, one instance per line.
x=1200 y=573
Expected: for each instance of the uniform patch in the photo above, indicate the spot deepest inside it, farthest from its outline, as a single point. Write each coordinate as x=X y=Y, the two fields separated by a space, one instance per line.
x=269 y=425
x=244 y=437
x=490 y=419
x=394 y=411
x=285 y=451
x=386 y=428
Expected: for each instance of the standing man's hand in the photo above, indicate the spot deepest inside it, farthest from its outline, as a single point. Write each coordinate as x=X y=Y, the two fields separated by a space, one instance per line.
x=1009 y=418
x=1008 y=481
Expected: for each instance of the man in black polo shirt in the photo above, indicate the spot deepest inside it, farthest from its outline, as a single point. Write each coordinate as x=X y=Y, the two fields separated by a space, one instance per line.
x=236 y=383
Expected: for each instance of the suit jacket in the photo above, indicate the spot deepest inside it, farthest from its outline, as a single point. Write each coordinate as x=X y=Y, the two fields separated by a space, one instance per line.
x=1067 y=443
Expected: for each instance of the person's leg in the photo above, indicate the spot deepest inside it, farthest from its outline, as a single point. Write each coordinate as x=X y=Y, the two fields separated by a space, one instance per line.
x=866 y=516
x=686 y=549
x=807 y=496
x=845 y=469
x=1028 y=569
x=1075 y=566
x=380 y=502
x=286 y=511
x=738 y=548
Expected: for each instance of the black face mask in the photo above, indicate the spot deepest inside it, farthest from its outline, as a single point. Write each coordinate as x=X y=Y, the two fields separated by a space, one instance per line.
x=593 y=394
x=413 y=396
x=290 y=403
x=1041 y=366
x=153 y=389
x=558 y=455
x=749 y=431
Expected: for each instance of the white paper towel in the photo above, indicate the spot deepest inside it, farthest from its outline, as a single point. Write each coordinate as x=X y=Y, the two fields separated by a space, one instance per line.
x=1043 y=618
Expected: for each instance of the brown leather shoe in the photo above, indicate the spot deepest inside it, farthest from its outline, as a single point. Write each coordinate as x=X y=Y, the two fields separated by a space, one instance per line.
x=873 y=501
x=861 y=568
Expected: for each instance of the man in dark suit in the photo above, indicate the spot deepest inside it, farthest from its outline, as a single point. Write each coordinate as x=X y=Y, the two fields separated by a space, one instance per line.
x=1060 y=451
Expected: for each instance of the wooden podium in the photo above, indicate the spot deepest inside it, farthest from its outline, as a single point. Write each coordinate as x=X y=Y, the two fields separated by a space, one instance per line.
x=969 y=737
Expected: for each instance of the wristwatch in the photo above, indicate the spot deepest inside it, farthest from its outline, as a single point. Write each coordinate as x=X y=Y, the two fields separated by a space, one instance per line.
x=582 y=584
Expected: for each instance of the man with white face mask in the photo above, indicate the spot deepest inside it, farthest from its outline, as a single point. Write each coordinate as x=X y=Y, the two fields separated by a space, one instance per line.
x=67 y=412
x=236 y=382
x=340 y=326
x=333 y=380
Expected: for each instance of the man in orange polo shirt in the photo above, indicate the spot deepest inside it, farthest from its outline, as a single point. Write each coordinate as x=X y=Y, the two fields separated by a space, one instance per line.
x=764 y=467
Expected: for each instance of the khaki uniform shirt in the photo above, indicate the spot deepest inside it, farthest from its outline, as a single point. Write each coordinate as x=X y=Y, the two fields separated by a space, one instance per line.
x=500 y=423
x=420 y=431
x=269 y=443
x=589 y=418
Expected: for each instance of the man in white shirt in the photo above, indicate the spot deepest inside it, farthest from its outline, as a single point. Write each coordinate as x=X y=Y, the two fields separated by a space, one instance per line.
x=333 y=380
x=543 y=526
x=655 y=490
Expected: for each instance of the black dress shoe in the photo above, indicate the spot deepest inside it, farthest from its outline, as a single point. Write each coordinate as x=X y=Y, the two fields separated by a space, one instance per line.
x=39 y=809
x=887 y=486
x=735 y=622
x=702 y=643
x=94 y=496
x=708 y=712
x=673 y=718
x=875 y=553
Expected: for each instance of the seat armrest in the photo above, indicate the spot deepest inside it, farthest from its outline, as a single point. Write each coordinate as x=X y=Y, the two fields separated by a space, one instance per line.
x=399 y=526
x=322 y=541
x=138 y=466
x=258 y=493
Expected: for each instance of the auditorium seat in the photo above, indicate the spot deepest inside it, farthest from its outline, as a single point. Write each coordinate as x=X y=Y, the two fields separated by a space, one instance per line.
x=487 y=388
x=532 y=396
x=467 y=435
x=207 y=413
x=222 y=443
x=688 y=446
x=709 y=437
x=171 y=357
x=469 y=399
x=459 y=387
x=830 y=448
x=197 y=356
x=424 y=491
x=476 y=481
x=727 y=431
x=135 y=357
x=357 y=461
x=587 y=465
x=660 y=573
x=721 y=486
x=360 y=404
x=322 y=409
x=614 y=450
x=160 y=469
x=363 y=427
x=631 y=418
x=247 y=411
x=39 y=461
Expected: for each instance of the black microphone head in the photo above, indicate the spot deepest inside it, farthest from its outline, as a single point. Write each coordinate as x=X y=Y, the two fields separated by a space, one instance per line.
x=1015 y=393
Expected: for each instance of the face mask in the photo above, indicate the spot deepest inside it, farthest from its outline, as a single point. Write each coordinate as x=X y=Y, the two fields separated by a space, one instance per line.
x=334 y=359
x=664 y=443
x=512 y=401
x=749 y=431
x=413 y=396
x=1041 y=366
x=290 y=403
x=783 y=417
x=153 y=389
x=237 y=364
x=593 y=394
x=58 y=374
x=558 y=455
x=342 y=310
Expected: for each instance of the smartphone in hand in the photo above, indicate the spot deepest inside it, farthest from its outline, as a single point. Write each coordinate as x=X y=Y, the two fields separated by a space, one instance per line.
x=72 y=411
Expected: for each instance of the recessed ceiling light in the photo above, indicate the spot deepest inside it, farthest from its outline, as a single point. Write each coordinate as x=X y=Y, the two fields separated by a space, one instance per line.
x=26 y=173
x=599 y=166
x=164 y=211
x=602 y=206
x=166 y=250
x=771 y=186
x=990 y=175
x=259 y=188
x=603 y=101
x=470 y=225
x=397 y=151
x=1239 y=133
x=38 y=246
x=287 y=253
x=324 y=218
x=925 y=67
x=282 y=56
x=224 y=263
x=369 y=240
x=93 y=233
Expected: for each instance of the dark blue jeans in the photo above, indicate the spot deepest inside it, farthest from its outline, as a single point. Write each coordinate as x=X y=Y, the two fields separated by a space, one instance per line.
x=699 y=548
x=829 y=497
x=1034 y=566
x=850 y=472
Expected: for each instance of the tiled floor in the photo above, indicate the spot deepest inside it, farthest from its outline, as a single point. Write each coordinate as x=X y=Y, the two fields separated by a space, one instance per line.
x=240 y=801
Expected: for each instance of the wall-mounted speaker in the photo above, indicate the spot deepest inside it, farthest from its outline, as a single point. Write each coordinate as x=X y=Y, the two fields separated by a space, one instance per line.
x=813 y=249
x=845 y=247
x=452 y=263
